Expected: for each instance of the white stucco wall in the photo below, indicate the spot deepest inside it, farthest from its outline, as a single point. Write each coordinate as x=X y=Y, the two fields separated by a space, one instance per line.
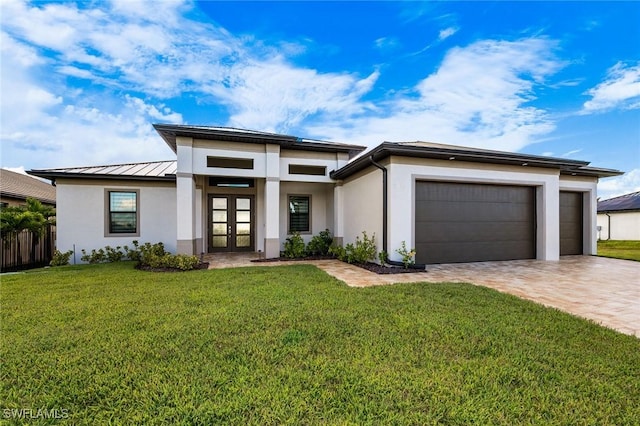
x=81 y=214
x=624 y=226
x=321 y=201
x=362 y=206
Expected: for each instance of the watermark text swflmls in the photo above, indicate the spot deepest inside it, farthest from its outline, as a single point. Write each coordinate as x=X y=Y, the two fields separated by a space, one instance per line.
x=37 y=413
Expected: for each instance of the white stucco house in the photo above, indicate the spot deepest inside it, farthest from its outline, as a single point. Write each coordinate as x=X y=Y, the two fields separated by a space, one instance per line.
x=619 y=217
x=240 y=190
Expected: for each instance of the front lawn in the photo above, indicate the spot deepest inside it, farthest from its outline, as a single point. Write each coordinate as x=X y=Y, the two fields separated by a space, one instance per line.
x=629 y=250
x=291 y=345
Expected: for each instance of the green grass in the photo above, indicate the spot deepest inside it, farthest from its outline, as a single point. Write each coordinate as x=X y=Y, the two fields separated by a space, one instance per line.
x=629 y=250
x=292 y=345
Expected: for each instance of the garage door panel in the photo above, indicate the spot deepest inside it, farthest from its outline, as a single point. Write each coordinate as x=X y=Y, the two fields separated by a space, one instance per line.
x=474 y=252
x=474 y=231
x=462 y=211
x=458 y=222
x=571 y=223
x=471 y=193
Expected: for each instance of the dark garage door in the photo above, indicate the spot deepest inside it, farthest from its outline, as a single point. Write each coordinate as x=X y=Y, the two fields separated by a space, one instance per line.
x=570 y=223
x=474 y=222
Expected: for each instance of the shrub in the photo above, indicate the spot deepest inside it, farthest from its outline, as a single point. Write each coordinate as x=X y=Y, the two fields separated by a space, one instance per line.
x=339 y=252
x=320 y=244
x=362 y=251
x=113 y=254
x=60 y=259
x=294 y=246
x=96 y=256
x=182 y=262
x=117 y=254
x=383 y=257
x=407 y=255
x=134 y=253
x=148 y=250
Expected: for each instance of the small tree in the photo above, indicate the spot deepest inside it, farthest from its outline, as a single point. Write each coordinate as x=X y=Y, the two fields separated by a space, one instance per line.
x=33 y=217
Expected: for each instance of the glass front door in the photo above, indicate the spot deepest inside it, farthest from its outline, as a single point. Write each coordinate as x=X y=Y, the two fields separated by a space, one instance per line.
x=231 y=221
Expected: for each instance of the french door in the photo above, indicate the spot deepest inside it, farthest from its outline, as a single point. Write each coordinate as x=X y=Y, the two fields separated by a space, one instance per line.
x=231 y=222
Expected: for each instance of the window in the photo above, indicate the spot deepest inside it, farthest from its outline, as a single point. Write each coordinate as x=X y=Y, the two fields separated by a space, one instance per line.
x=230 y=163
x=229 y=182
x=301 y=169
x=123 y=212
x=299 y=213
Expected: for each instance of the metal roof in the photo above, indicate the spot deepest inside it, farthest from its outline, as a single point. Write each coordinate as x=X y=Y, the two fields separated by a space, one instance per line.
x=169 y=132
x=621 y=203
x=17 y=185
x=437 y=151
x=157 y=170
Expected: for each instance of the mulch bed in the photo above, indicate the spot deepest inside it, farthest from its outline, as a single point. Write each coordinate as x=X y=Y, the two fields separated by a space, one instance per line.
x=379 y=269
x=373 y=267
x=203 y=265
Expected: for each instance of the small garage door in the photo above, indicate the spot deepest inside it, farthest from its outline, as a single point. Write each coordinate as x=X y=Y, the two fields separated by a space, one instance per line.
x=570 y=223
x=474 y=222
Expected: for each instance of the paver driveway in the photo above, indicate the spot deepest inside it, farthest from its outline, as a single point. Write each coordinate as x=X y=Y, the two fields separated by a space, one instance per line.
x=604 y=290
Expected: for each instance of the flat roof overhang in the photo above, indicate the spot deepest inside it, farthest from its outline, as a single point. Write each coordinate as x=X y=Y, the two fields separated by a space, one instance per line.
x=169 y=132
x=388 y=149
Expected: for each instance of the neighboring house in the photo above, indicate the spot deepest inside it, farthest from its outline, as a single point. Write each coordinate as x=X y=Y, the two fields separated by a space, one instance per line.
x=619 y=217
x=239 y=190
x=15 y=188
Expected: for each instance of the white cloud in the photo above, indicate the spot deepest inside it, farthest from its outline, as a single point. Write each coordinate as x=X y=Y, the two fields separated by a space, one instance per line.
x=570 y=153
x=386 y=43
x=138 y=55
x=446 y=33
x=42 y=124
x=274 y=96
x=461 y=103
x=620 y=89
x=619 y=185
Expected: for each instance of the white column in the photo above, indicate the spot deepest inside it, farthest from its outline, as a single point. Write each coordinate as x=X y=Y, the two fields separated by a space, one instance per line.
x=589 y=209
x=186 y=194
x=272 y=217
x=272 y=201
x=548 y=226
x=338 y=213
x=186 y=197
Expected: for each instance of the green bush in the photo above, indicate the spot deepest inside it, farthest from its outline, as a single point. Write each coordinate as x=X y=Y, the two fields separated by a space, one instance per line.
x=408 y=256
x=113 y=254
x=96 y=256
x=294 y=246
x=362 y=251
x=60 y=259
x=132 y=253
x=182 y=262
x=338 y=252
x=383 y=257
x=320 y=244
x=149 y=255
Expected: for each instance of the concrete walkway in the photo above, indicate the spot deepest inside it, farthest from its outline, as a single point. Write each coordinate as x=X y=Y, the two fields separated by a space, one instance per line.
x=604 y=290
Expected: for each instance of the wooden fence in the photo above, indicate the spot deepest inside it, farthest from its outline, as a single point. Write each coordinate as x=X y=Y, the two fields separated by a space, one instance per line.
x=27 y=250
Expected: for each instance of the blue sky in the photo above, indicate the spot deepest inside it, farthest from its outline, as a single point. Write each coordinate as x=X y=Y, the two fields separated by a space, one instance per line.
x=83 y=82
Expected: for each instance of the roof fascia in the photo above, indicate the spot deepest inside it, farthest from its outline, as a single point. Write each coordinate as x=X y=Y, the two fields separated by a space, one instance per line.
x=170 y=132
x=52 y=176
x=387 y=149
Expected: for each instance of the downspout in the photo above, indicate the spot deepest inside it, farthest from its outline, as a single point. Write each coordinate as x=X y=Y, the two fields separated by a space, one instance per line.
x=608 y=226
x=385 y=216
x=384 y=203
